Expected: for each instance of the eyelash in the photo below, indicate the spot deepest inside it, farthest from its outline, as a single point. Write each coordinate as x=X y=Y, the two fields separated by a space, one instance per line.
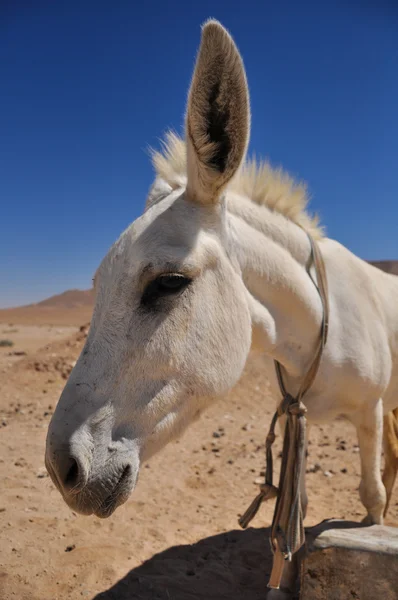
x=170 y=284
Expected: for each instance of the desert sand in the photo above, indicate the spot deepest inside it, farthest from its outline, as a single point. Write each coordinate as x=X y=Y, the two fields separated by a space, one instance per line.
x=177 y=538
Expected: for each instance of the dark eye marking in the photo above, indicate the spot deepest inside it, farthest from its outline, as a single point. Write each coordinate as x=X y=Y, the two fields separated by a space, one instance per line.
x=170 y=284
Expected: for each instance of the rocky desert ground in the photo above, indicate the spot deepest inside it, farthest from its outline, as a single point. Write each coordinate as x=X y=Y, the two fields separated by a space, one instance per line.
x=177 y=538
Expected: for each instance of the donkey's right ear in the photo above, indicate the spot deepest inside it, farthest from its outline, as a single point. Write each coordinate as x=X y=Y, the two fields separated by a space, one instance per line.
x=218 y=116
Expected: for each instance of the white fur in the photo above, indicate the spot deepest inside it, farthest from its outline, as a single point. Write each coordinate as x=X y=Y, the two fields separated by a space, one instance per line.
x=143 y=376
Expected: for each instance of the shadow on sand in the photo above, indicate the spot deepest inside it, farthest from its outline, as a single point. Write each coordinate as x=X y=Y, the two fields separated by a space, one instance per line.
x=234 y=565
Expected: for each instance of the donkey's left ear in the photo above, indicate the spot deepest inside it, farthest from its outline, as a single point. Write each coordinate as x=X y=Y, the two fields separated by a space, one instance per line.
x=218 y=116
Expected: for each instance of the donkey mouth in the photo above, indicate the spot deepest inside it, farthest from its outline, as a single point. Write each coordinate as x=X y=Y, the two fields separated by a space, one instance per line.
x=118 y=496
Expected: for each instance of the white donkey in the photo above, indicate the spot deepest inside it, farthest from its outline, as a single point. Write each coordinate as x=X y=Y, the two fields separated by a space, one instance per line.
x=215 y=265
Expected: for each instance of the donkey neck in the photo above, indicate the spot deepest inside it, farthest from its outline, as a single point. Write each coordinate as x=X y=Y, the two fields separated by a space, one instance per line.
x=272 y=253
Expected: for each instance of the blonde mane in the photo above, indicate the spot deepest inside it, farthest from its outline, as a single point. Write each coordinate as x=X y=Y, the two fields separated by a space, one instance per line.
x=259 y=182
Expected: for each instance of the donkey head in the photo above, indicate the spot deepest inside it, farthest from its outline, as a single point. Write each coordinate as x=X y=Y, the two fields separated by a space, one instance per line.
x=171 y=327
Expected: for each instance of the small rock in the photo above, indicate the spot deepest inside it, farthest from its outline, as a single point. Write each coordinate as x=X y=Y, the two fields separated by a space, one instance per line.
x=70 y=548
x=41 y=473
x=343 y=470
x=328 y=474
x=247 y=427
x=314 y=468
x=229 y=417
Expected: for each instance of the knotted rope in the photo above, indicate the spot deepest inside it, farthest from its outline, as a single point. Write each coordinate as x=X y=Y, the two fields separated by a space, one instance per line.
x=287 y=530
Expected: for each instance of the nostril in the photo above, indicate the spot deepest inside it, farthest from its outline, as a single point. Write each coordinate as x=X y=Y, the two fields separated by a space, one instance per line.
x=69 y=471
x=72 y=475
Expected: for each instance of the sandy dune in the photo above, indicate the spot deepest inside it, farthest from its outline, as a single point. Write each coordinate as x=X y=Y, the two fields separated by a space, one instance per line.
x=177 y=538
x=27 y=339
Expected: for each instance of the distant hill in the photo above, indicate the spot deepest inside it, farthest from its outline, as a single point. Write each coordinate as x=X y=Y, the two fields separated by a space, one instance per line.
x=68 y=299
x=75 y=307
x=389 y=266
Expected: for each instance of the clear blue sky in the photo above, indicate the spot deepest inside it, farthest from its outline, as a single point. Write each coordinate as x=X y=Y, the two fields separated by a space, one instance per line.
x=86 y=86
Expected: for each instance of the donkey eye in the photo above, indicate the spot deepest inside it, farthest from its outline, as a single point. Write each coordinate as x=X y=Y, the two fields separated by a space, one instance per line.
x=164 y=285
x=172 y=282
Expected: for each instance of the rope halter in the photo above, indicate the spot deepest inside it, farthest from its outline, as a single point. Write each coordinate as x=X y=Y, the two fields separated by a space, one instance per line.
x=287 y=530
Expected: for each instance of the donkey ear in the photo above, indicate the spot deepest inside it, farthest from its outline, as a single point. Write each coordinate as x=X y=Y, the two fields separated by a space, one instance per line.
x=218 y=115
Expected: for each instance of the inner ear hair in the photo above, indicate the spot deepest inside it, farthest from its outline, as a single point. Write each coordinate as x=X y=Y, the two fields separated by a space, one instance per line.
x=218 y=109
x=217 y=130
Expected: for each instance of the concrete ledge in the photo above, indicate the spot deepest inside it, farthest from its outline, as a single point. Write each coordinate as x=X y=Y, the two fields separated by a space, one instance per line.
x=348 y=561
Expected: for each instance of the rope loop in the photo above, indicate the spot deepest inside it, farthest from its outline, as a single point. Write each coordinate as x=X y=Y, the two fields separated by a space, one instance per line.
x=298 y=409
x=284 y=406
